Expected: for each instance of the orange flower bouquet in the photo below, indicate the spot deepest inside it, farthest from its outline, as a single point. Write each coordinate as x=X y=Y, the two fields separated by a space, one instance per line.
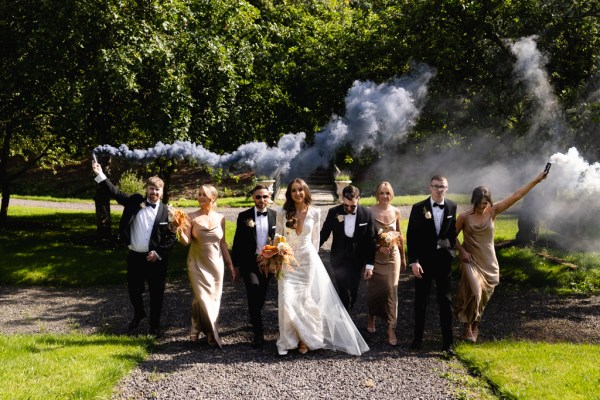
x=178 y=220
x=276 y=257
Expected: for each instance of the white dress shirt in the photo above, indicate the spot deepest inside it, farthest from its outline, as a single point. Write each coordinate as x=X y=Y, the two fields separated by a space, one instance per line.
x=261 y=224
x=349 y=224
x=438 y=216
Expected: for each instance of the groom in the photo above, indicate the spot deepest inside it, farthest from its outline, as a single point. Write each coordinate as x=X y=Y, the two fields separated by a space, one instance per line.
x=254 y=228
x=431 y=239
x=353 y=245
x=144 y=227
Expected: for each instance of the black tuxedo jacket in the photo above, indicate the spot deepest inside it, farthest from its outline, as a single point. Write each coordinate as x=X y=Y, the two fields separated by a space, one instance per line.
x=161 y=239
x=421 y=238
x=363 y=241
x=243 y=251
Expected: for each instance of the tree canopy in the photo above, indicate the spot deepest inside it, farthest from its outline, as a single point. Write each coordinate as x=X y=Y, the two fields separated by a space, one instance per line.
x=78 y=73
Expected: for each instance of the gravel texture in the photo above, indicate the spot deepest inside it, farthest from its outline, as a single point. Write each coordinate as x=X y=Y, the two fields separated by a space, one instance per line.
x=179 y=369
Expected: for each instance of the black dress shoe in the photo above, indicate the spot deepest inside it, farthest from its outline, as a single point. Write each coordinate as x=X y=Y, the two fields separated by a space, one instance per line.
x=134 y=323
x=154 y=331
x=415 y=345
x=448 y=351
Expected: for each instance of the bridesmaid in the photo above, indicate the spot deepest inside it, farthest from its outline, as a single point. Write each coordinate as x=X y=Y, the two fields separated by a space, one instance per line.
x=382 y=288
x=206 y=260
x=479 y=268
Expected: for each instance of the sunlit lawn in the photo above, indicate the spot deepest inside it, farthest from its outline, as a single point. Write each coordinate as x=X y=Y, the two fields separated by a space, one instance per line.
x=56 y=247
x=73 y=366
x=532 y=371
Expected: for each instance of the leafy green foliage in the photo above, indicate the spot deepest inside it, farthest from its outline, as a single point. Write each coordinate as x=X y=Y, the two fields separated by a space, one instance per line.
x=34 y=245
x=131 y=183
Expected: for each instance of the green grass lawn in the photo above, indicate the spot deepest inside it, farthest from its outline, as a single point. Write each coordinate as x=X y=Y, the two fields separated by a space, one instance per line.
x=73 y=366
x=525 y=370
x=56 y=247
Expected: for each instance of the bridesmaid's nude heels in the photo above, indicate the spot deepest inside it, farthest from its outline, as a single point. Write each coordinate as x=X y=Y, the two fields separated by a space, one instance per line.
x=468 y=335
x=392 y=340
x=194 y=337
x=302 y=349
x=371 y=324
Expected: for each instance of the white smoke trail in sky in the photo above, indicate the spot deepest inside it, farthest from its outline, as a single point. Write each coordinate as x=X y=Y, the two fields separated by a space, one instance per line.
x=376 y=116
x=530 y=69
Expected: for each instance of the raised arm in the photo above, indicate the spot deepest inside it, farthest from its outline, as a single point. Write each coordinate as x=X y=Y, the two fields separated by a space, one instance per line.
x=506 y=203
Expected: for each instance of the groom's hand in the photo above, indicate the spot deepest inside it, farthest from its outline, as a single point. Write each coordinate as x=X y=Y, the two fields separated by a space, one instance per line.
x=417 y=270
x=97 y=168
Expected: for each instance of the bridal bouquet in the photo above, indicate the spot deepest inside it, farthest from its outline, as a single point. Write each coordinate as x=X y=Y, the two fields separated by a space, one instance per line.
x=178 y=220
x=276 y=257
x=388 y=238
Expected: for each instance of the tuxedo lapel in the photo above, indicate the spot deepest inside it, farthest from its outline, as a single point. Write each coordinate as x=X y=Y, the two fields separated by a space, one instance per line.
x=272 y=219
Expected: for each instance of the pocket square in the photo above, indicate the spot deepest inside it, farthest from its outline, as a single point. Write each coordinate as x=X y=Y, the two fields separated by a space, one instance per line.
x=163 y=223
x=363 y=224
x=449 y=216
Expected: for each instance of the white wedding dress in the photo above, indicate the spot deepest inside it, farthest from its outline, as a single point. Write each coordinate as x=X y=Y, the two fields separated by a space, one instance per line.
x=309 y=307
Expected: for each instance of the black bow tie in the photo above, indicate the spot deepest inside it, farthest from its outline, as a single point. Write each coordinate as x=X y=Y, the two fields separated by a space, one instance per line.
x=150 y=204
x=350 y=213
x=441 y=206
x=261 y=214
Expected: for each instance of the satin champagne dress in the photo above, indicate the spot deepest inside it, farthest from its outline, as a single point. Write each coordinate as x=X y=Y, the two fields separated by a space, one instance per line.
x=206 y=269
x=382 y=288
x=479 y=277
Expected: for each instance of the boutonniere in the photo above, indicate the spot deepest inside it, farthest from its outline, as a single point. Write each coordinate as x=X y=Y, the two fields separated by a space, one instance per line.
x=426 y=213
x=340 y=217
x=250 y=223
x=143 y=204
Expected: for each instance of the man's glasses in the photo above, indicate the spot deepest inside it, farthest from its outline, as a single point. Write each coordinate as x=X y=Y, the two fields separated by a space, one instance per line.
x=258 y=197
x=439 y=187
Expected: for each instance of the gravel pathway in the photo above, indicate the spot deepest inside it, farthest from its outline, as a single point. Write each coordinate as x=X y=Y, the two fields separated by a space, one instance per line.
x=178 y=369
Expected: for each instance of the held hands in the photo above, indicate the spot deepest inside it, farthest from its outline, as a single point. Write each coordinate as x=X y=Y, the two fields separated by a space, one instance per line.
x=417 y=270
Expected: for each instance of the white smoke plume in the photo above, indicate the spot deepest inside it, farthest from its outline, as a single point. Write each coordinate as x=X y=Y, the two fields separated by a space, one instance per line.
x=256 y=155
x=577 y=176
x=376 y=115
x=530 y=69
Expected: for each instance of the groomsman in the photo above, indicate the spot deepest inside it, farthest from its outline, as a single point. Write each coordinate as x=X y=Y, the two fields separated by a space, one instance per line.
x=144 y=228
x=353 y=245
x=431 y=239
x=255 y=227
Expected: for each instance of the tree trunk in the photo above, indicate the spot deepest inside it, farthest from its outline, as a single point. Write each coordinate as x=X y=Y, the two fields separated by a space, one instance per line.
x=102 y=203
x=529 y=220
x=4 y=179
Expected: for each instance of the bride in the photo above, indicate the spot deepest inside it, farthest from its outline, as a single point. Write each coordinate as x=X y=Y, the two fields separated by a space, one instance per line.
x=311 y=315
